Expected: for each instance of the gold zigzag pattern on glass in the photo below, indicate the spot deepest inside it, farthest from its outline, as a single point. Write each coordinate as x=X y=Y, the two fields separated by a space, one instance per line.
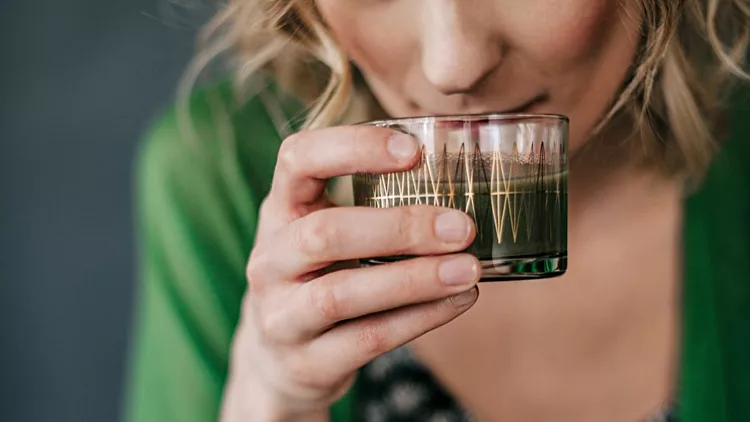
x=516 y=185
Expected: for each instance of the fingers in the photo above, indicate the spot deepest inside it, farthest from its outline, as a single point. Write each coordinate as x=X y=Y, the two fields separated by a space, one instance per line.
x=353 y=293
x=338 y=234
x=359 y=341
x=307 y=159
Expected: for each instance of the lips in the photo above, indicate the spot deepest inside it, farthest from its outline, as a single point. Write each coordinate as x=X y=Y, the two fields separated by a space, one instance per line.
x=526 y=107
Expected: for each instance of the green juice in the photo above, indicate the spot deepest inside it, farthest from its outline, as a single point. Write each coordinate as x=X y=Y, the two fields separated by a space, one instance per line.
x=520 y=213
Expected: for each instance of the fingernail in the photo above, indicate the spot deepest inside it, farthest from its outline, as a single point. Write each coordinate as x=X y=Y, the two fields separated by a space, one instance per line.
x=458 y=270
x=402 y=147
x=465 y=299
x=452 y=226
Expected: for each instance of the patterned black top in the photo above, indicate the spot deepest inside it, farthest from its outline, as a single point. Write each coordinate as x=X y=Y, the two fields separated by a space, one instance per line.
x=395 y=387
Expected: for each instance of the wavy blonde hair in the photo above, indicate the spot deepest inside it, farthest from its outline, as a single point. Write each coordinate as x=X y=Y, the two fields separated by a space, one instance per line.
x=692 y=54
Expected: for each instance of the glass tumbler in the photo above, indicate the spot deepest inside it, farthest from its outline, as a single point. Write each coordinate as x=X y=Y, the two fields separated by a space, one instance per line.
x=507 y=171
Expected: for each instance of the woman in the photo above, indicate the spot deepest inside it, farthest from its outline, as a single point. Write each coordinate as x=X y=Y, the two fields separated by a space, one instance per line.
x=649 y=322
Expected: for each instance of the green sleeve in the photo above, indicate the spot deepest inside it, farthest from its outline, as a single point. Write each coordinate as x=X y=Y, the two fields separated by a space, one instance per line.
x=196 y=218
x=198 y=200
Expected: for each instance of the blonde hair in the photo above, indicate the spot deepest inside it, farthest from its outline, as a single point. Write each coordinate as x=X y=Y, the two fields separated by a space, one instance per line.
x=692 y=53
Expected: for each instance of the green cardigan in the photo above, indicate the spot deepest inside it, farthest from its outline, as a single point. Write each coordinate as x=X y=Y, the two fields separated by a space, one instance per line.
x=197 y=212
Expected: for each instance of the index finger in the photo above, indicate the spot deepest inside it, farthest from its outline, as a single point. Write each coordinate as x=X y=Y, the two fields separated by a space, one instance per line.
x=308 y=159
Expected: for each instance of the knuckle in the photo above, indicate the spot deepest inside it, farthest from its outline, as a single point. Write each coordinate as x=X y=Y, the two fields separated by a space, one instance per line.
x=315 y=237
x=412 y=276
x=254 y=275
x=408 y=228
x=372 y=338
x=264 y=324
x=271 y=324
x=325 y=302
x=253 y=270
x=290 y=154
x=257 y=271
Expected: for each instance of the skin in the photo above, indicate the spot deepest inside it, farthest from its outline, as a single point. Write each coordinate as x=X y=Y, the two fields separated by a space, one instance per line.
x=597 y=344
x=446 y=56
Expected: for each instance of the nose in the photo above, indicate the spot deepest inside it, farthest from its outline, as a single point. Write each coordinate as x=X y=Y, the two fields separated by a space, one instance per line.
x=459 y=51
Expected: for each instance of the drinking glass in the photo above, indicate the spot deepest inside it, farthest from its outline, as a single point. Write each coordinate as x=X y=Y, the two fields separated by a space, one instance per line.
x=507 y=171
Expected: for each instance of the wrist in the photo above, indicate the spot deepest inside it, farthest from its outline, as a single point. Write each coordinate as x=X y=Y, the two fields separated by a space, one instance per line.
x=247 y=400
x=266 y=412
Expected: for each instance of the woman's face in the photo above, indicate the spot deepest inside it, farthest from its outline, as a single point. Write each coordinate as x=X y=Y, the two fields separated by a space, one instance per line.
x=424 y=57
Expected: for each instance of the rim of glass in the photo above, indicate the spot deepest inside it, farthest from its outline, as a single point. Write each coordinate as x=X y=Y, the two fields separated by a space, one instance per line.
x=468 y=118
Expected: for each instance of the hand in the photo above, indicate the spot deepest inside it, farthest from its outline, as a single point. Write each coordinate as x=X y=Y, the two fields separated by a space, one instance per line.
x=305 y=328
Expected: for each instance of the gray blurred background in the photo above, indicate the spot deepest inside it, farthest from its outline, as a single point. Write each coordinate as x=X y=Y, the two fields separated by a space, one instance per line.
x=79 y=82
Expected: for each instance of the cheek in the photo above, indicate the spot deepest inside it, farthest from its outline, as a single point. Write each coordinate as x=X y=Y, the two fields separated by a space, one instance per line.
x=378 y=38
x=582 y=49
x=558 y=35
